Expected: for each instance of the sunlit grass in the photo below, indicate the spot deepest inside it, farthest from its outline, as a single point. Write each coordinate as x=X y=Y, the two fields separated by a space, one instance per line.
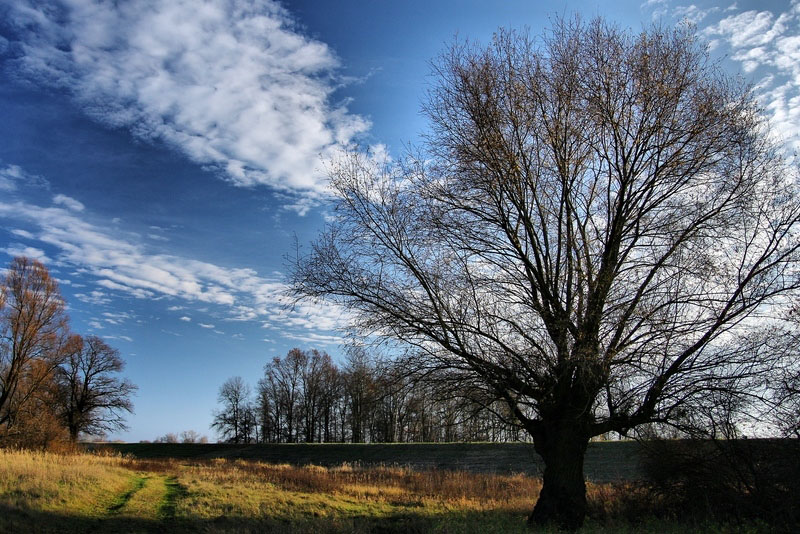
x=43 y=492
x=72 y=484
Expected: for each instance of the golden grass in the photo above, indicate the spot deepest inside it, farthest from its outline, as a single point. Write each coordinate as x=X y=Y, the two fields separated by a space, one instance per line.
x=45 y=492
x=75 y=484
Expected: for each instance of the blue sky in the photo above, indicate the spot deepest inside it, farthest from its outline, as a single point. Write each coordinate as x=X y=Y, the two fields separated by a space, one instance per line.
x=162 y=156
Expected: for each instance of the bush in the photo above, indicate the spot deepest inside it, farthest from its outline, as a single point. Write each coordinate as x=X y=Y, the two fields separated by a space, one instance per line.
x=726 y=480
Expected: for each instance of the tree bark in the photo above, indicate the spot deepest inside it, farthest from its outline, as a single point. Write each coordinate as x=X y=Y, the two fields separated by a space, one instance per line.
x=562 y=501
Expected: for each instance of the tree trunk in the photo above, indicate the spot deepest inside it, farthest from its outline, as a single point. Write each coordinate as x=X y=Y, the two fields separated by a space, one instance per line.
x=562 y=501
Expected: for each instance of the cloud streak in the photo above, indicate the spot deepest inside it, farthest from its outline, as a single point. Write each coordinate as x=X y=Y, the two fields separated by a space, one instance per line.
x=124 y=266
x=232 y=84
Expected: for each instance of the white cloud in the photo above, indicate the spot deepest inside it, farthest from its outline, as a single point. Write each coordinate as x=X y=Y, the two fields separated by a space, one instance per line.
x=767 y=45
x=693 y=14
x=316 y=339
x=96 y=298
x=135 y=291
x=15 y=249
x=204 y=325
x=22 y=233
x=118 y=315
x=233 y=84
x=123 y=338
x=68 y=202
x=123 y=265
x=186 y=319
x=12 y=176
x=659 y=7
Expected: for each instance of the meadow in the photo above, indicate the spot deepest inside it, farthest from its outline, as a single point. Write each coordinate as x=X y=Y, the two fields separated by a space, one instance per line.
x=107 y=492
x=606 y=461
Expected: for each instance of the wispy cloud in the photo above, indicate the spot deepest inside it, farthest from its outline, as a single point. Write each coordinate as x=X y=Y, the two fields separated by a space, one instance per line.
x=122 y=338
x=694 y=14
x=233 y=84
x=316 y=339
x=121 y=264
x=12 y=176
x=68 y=202
x=768 y=41
x=16 y=249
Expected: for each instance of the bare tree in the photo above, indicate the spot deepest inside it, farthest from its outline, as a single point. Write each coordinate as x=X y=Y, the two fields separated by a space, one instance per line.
x=359 y=391
x=192 y=436
x=33 y=334
x=284 y=379
x=169 y=437
x=92 y=399
x=312 y=379
x=234 y=421
x=599 y=231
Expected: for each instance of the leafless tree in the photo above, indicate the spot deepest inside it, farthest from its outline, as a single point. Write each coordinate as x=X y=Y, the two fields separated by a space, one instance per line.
x=192 y=436
x=283 y=376
x=232 y=422
x=599 y=230
x=360 y=391
x=169 y=437
x=312 y=379
x=92 y=399
x=33 y=334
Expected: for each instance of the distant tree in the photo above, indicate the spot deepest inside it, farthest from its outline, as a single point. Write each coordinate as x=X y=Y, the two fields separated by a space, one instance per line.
x=330 y=397
x=267 y=411
x=33 y=334
x=192 y=436
x=93 y=400
x=600 y=231
x=284 y=376
x=312 y=380
x=360 y=392
x=231 y=422
x=169 y=437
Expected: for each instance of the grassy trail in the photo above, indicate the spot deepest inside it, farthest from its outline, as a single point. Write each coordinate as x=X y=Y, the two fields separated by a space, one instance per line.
x=150 y=497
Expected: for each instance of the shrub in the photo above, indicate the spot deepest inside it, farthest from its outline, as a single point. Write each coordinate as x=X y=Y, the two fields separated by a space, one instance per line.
x=726 y=480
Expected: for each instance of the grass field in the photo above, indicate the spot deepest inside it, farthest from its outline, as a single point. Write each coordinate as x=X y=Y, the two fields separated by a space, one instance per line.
x=605 y=461
x=50 y=493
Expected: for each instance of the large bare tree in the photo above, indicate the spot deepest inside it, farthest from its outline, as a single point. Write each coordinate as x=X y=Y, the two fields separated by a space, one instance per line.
x=599 y=229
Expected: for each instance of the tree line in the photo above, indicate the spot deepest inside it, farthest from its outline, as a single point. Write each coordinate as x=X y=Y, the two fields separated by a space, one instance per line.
x=55 y=385
x=305 y=397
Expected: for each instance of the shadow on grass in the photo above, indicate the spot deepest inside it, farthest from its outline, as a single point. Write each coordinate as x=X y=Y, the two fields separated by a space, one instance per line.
x=123 y=499
x=17 y=521
x=21 y=521
x=174 y=492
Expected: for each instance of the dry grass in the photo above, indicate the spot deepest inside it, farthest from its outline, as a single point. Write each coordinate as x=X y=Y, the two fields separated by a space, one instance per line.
x=68 y=483
x=45 y=492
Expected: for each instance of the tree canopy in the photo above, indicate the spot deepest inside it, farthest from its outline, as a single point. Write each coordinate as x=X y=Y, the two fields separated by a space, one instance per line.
x=598 y=230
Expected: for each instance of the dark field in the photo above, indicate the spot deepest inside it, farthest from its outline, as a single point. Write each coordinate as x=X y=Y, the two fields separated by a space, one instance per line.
x=605 y=461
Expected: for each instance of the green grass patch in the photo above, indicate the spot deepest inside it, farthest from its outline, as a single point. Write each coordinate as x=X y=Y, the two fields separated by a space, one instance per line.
x=137 y=483
x=174 y=491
